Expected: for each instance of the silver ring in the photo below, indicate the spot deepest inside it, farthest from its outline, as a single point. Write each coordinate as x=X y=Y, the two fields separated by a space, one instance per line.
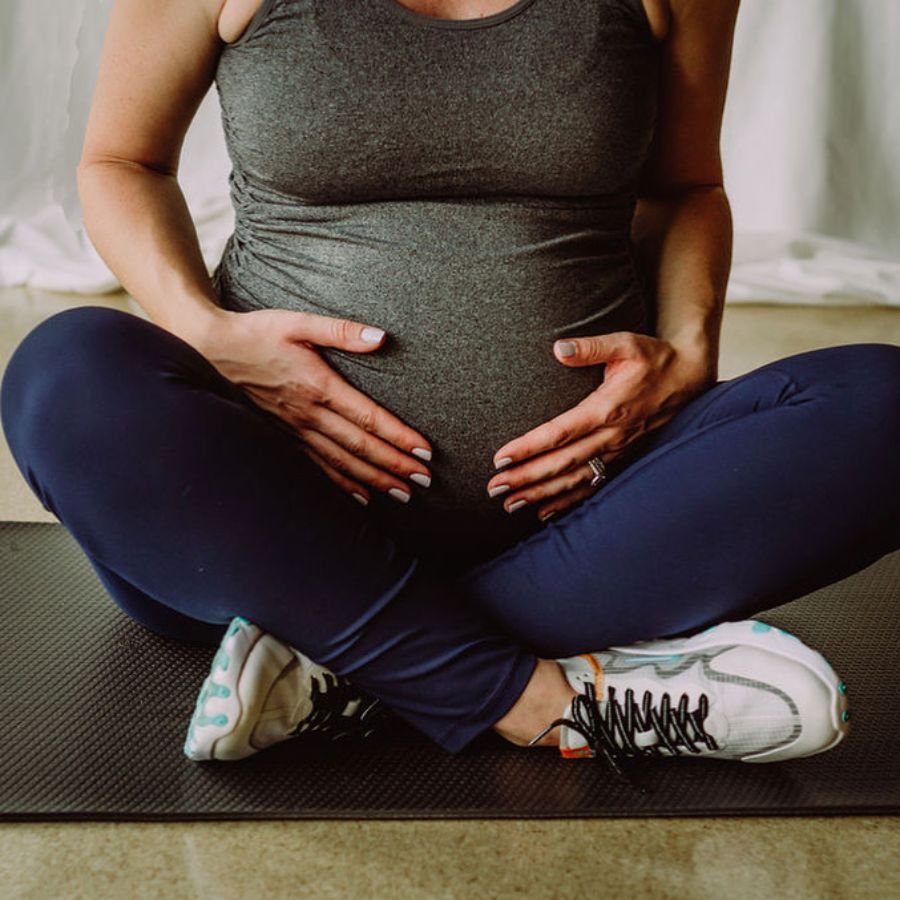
x=599 y=469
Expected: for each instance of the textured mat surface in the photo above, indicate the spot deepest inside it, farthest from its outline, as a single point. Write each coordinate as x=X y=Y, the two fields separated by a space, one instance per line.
x=95 y=708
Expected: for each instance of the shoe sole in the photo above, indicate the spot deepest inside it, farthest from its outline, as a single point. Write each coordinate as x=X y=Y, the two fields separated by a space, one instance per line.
x=754 y=633
x=222 y=710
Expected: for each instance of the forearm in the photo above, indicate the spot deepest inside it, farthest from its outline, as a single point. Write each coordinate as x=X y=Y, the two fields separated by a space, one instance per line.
x=139 y=223
x=684 y=244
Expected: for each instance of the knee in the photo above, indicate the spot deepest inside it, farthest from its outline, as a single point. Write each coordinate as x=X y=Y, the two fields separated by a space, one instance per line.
x=67 y=356
x=78 y=336
x=871 y=374
x=864 y=379
x=867 y=379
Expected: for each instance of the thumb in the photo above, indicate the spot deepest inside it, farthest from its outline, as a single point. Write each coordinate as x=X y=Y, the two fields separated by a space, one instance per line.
x=586 y=351
x=332 y=331
x=368 y=336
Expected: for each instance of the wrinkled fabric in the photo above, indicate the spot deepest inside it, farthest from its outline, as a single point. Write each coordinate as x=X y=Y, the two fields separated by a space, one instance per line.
x=194 y=508
x=467 y=185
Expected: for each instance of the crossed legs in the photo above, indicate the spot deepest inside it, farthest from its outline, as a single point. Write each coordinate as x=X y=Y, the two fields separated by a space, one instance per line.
x=193 y=507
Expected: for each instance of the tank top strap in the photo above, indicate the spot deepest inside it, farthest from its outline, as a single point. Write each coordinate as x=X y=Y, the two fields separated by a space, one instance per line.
x=638 y=10
x=259 y=18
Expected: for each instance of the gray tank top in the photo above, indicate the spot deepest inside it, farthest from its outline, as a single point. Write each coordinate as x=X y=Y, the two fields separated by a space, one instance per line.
x=467 y=185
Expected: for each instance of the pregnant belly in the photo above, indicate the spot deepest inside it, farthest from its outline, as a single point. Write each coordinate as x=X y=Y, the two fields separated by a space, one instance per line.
x=472 y=298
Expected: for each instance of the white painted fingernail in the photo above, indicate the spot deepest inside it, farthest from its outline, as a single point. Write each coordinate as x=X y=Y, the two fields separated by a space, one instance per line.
x=421 y=452
x=397 y=494
x=360 y=498
x=504 y=461
x=499 y=489
x=419 y=478
x=372 y=335
x=517 y=505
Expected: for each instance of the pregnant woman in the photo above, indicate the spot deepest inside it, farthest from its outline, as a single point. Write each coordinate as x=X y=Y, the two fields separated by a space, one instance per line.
x=442 y=437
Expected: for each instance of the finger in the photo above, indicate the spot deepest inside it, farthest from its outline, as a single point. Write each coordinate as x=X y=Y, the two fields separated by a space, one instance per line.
x=354 y=467
x=565 y=501
x=567 y=498
x=361 y=443
x=357 y=491
x=332 y=331
x=594 y=349
x=357 y=407
x=607 y=443
x=354 y=439
x=280 y=414
x=577 y=475
x=614 y=403
x=550 y=435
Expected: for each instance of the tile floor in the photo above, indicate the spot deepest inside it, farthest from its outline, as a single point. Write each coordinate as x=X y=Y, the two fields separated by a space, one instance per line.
x=689 y=857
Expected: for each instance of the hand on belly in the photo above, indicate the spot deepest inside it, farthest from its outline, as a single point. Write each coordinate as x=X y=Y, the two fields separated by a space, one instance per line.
x=646 y=382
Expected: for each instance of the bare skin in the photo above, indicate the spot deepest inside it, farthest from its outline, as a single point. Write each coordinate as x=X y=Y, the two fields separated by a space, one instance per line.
x=236 y=14
x=158 y=63
x=545 y=697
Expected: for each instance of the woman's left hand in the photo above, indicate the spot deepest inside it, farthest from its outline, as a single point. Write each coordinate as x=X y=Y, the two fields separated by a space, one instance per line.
x=647 y=380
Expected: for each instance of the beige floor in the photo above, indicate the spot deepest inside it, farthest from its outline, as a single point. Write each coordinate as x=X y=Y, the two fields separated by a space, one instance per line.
x=705 y=857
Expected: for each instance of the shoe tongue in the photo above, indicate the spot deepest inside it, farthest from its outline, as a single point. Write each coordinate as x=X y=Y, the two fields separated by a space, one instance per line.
x=288 y=698
x=571 y=741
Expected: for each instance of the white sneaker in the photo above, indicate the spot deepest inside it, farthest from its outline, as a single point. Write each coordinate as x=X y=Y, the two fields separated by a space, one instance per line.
x=261 y=691
x=739 y=690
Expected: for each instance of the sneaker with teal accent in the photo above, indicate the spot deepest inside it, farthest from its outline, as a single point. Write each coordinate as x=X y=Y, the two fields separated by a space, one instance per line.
x=741 y=691
x=261 y=691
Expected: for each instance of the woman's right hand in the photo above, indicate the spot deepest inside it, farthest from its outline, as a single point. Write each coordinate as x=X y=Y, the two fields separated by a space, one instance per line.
x=270 y=354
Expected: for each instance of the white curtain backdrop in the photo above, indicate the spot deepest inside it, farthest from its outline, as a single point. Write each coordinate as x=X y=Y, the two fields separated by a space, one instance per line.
x=811 y=148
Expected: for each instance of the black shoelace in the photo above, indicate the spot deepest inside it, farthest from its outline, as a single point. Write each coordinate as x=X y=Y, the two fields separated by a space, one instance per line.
x=600 y=731
x=328 y=718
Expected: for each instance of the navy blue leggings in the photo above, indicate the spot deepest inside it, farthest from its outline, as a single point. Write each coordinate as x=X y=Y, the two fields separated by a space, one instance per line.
x=193 y=506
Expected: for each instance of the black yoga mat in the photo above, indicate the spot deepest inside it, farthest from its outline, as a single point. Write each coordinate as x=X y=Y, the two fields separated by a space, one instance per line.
x=94 y=710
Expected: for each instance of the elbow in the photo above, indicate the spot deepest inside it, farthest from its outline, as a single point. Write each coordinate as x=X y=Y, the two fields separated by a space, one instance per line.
x=682 y=189
x=93 y=160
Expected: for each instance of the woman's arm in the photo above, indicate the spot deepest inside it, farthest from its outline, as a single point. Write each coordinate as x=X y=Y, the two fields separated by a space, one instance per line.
x=682 y=226
x=157 y=64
